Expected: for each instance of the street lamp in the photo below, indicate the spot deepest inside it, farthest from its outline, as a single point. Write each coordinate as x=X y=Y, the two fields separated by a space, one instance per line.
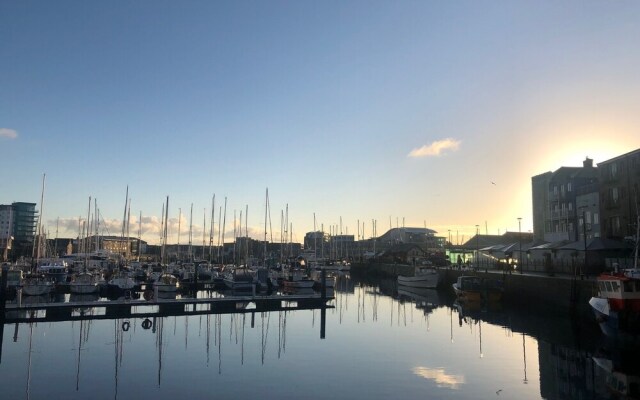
x=584 y=233
x=519 y=245
x=477 y=248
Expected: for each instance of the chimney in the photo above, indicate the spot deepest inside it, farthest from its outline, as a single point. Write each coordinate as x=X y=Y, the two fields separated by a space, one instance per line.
x=587 y=163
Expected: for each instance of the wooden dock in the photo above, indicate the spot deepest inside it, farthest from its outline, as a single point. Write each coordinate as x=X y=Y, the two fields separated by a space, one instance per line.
x=112 y=309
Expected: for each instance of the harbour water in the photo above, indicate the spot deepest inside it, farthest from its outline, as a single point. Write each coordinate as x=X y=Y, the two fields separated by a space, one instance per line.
x=376 y=341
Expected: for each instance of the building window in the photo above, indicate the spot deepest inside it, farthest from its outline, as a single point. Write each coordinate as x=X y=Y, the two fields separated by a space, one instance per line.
x=562 y=189
x=570 y=206
x=614 y=170
x=569 y=187
x=595 y=218
x=555 y=189
x=614 y=195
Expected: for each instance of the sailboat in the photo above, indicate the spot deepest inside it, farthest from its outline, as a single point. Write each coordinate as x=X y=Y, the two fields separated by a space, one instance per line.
x=84 y=283
x=37 y=284
x=166 y=282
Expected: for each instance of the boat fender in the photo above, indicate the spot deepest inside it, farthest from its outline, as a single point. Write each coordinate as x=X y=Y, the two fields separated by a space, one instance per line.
x=146 y=324
x=125 y=326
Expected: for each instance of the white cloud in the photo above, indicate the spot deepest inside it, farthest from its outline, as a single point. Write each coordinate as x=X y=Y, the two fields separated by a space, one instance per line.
x=436 y=148
x=8 y=133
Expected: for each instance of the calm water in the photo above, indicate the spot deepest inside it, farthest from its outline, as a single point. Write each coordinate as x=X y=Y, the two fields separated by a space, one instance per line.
x=378 y=344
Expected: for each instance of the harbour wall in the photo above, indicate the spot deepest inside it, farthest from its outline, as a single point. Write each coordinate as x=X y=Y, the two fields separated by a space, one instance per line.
x=558 y=293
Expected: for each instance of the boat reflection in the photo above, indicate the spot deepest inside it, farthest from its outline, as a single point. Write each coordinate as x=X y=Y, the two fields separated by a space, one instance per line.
x=425 y=300
x=621 y=370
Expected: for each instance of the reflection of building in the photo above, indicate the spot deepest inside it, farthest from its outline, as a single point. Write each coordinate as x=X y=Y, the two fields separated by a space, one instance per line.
x=567 y=373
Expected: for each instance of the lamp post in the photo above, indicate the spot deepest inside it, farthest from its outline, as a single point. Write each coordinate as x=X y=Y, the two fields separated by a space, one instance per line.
x=584 y=233
x=477 y=248
x=520 y=245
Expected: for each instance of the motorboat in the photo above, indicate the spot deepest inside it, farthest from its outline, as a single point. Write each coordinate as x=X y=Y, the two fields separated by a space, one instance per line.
x=617 y=304
x=473 y=288
x=54 y=270
x=423 y=277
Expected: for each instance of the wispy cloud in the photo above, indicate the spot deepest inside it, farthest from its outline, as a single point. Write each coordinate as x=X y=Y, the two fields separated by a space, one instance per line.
x=8 y=133
x=436 y=148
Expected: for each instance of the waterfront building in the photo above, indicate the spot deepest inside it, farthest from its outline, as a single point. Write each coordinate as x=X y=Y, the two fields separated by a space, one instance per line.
x=540 y=204
x=18 y=228
x=561 y=216
x=619 y=195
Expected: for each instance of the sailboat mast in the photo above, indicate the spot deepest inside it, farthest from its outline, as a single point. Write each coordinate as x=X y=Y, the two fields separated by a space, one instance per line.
x=213 y=214
x=191 y=234
x=246 y=231
x=179 y=220
x=266 y=208
x=39 y=239
x=224 y=224
x=166 y=229
x=124 y=216
x=128 y=250
x=161 y=234
x=204 y=230
x=139 y=234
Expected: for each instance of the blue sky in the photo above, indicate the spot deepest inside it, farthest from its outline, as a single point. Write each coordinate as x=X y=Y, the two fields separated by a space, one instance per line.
x=328 y=104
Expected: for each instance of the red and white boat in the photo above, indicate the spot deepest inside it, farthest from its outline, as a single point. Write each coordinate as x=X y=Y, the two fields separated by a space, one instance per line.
x=617 y=305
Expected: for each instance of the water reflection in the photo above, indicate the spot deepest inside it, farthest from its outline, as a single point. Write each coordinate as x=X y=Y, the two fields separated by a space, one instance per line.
x=440 y=377
x=380 y=341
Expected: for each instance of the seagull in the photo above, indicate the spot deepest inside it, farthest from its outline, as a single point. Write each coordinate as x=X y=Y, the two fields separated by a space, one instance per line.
x=493 y=183
x=498 y=392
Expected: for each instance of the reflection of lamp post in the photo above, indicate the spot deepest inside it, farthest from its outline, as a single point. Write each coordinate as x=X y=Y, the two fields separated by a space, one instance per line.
x=524 y=352
x=477 y=248
x=519 y=245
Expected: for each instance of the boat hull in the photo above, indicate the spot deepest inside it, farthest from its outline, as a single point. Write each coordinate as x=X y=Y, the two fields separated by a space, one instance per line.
x=615 y=323
x=424 y=281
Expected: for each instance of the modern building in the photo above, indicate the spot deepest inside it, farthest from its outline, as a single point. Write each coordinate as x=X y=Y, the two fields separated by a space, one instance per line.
x=620 y=195
x=18 y=228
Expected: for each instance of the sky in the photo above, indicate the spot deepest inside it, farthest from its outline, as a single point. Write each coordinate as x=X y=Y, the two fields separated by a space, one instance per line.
x=414 y=113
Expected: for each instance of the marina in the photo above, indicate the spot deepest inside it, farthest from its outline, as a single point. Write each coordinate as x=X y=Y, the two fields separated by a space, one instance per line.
x=392 y=341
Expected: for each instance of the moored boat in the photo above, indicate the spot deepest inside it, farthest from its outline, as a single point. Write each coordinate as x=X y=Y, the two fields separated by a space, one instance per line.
x=617 y=304
x=424 y=277
x=84 y=283
x=473 y=288
x=54 y=270
x=36 y=285
x=166 y=283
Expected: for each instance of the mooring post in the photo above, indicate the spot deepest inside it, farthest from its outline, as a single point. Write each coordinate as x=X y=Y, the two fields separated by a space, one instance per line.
x=323 y=320
x=323 y=284
x=195 y=283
